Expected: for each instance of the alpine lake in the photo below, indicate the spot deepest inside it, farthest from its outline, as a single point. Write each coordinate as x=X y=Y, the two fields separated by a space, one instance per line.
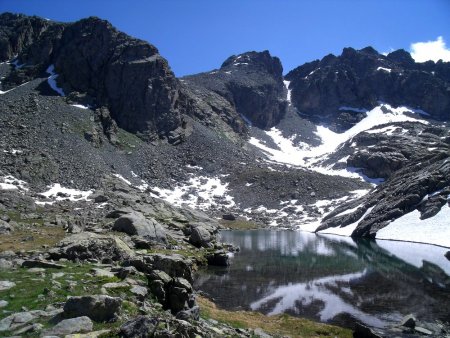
x=332 y=279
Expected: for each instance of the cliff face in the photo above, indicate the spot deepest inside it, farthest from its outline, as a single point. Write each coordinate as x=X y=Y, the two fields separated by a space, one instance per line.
x=90 y=56
x=253 y=85
x=322 y=90
x=128 y=76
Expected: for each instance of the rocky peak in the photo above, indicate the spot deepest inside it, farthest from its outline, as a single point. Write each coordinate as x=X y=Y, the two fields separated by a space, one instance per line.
x=252 y=83
x=18 y=31
x=258 y=61
x=401 y=57
x=124 y=74
x=362 y=78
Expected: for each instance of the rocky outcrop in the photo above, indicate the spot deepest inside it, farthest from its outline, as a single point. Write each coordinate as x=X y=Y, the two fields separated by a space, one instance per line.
x=329 y=90
x=126 y=75
x=99 y=308
x=252 y=83
x=18 y=32
x=135 y=223
x=86 y=245
x=99 y=65
x=421 y=185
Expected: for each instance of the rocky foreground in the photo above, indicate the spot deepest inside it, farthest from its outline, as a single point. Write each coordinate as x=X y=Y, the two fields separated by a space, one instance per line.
x=119 y=264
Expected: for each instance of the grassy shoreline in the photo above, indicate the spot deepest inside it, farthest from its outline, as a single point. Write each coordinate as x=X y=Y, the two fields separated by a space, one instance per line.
x=279 y=325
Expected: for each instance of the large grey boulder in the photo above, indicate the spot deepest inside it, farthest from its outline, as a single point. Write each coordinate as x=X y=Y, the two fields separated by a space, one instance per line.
x=16 y=320
x=72 y=325
x=99 y=308
x=201 y=235
x=87 y=245
x=135 y=223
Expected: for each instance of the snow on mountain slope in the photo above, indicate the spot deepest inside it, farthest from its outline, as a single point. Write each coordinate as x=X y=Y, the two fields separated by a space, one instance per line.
x=303 y=155
x=409 y=227
x=199 y=192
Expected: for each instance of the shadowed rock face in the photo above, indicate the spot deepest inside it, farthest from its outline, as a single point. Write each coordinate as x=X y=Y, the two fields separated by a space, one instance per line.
x=126 y=75
x=361 y=78
x=252 y=83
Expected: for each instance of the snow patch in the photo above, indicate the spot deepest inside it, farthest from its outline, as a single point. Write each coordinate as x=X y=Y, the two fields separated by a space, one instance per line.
x=9 y=182
x=389 y=130
x=58 y=193
x=289 y=91
x=80 y=106
x=387 y=70
x=122 y=178
x=303 y=155
x=52 y=80
x=409 y=227
x=199 y=192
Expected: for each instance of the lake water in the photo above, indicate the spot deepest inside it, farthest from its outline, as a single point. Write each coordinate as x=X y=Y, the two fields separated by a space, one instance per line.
x=331 y=278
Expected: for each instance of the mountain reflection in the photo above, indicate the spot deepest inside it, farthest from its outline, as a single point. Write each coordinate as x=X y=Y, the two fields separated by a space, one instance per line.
x=323 y=277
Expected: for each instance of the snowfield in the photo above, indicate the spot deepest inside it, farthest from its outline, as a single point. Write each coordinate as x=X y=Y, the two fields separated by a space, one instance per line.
x=409 y=227
x=305 y=156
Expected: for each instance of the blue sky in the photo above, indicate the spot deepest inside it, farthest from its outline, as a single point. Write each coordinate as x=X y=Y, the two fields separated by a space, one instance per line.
x=199 y=35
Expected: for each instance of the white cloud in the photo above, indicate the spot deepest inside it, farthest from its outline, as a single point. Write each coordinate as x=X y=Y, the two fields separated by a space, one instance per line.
x=430 y=50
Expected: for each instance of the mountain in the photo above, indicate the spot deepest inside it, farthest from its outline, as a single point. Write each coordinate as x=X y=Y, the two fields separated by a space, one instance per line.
x=101 y=139
x=323 y=89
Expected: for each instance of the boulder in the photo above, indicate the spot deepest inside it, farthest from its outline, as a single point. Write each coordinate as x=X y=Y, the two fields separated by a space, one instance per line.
x=87 y=245
x=200 y=236
x=229 y=217
x=136 y=223
x=16 y=320
x=40 y=263
x=218 y=258
x=99 y=308
x=72 y=325
x=362 y=331
x=139 y=326
x=408 y=321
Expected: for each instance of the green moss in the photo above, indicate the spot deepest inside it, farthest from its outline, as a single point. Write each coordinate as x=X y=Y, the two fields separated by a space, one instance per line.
x=128 y=141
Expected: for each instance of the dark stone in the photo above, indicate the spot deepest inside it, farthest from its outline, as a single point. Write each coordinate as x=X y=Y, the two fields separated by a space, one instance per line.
x=362 y=331
x=99 y=308
x=41 y=264
x=229 y=217
x=138 y=327
x=218 y=258
x=408 y=321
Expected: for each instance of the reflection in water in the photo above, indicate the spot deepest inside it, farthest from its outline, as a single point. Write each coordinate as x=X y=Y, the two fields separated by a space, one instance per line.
x=330 y=278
